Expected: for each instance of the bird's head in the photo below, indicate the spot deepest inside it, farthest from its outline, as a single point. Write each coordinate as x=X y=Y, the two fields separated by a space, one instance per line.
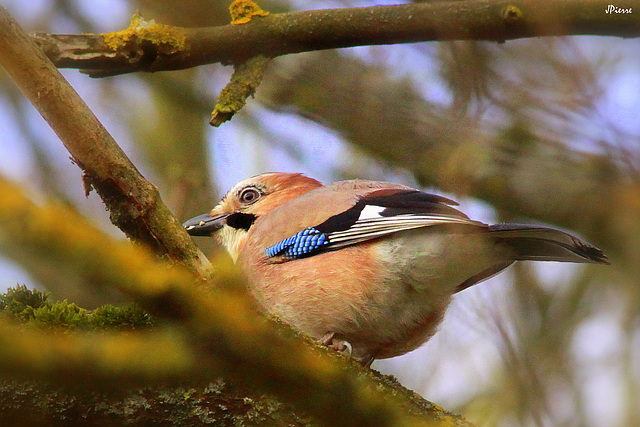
x=245 y=203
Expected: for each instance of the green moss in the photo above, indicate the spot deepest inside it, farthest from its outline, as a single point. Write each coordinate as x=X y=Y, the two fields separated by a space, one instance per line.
x=60 y=314
x=33 y=307
x=20 y=301
x=127 y=317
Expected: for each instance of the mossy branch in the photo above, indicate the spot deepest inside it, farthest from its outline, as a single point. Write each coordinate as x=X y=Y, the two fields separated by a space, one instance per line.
x=281 y=34
x=217 y=329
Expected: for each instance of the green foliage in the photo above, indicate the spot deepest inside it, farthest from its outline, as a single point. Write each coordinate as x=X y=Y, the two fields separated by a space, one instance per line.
x=33 y=307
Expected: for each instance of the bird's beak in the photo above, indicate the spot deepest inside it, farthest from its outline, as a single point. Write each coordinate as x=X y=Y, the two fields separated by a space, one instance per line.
x=205 y=225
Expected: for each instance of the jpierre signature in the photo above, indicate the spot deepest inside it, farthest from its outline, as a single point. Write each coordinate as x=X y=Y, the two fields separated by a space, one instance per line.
x=615 y=9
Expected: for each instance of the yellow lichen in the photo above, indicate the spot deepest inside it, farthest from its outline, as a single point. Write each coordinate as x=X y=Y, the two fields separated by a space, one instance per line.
x=242 y=10
x=141 y=29
x=511 y=14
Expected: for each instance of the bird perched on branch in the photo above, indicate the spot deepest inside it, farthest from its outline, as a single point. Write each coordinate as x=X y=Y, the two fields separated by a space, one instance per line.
x=367 y=265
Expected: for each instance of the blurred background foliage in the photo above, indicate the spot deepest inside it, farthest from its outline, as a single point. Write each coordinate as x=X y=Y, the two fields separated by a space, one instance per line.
x=542 y=130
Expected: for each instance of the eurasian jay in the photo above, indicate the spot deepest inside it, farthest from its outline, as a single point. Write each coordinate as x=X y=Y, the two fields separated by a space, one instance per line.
x=367 y=265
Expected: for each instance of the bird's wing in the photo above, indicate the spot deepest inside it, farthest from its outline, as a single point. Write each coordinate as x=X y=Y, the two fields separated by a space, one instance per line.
x=374 y=215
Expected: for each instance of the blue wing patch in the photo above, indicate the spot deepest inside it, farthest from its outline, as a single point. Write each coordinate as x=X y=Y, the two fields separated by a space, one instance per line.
x=379 y=214
x=299 y=245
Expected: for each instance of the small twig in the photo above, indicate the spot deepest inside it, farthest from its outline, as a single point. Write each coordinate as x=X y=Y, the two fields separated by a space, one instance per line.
x=246 y=78
x=246 y=75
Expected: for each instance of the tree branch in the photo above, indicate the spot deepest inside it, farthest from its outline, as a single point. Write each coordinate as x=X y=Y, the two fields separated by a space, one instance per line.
x=156 y=49
x=133 y=202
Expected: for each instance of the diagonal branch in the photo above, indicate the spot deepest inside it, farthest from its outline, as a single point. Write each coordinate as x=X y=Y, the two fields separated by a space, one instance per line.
x=134 y=203
x=171 y=48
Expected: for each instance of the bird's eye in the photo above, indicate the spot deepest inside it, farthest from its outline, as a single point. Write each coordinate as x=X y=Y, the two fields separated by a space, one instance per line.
x=249 y=195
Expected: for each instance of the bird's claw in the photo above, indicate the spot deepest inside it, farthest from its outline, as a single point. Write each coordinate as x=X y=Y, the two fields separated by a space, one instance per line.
x=341 y=346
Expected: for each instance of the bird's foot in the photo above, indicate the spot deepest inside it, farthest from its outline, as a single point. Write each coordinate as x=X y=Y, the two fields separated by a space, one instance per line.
x=342 y=346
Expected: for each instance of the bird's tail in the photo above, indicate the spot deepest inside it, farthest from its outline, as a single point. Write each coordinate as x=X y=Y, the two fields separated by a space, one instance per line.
x=538 y=243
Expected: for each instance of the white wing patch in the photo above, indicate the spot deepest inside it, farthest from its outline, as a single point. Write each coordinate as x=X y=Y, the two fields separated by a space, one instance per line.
x=370 y=212
x=371 y=225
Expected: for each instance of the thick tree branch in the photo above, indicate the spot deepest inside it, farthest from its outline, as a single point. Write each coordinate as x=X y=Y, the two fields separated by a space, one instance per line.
x=169 y=48
x=134 y=203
